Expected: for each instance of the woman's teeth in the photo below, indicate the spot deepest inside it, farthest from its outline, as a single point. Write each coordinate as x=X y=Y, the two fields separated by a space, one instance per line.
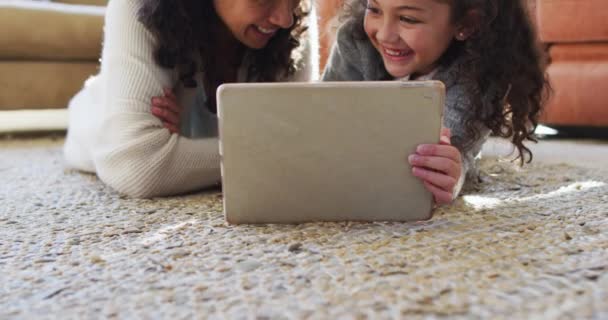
x=266 y=31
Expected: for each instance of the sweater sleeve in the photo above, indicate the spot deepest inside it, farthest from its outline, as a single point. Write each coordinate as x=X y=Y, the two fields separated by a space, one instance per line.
x=456 y=112
x=133 y=153
x=341 y=65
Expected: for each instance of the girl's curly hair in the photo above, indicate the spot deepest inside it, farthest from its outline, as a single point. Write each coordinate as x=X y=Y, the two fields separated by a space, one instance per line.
x=185 y=30
x=501 y=66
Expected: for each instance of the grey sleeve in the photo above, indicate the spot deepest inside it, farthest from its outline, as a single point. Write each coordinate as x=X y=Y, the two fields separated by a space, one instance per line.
x=342 y=64
x=457 y=111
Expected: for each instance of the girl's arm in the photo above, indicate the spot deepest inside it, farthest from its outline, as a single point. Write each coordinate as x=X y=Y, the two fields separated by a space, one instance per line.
x=443 y=167
x=133 y=153
x=457 y=110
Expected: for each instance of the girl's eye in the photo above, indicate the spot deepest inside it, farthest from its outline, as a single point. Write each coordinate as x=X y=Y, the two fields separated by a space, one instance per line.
x=408 y=20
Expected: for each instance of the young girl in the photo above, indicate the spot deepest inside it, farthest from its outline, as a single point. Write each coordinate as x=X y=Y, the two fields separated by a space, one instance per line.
x=485 y=53
x=164 y=53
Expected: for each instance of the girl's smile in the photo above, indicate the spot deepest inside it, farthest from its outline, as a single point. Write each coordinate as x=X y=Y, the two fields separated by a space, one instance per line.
x=410 y=35
x=397 y=55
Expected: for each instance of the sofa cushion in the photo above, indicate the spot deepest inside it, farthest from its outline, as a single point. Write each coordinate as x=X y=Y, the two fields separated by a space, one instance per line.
x=580 y=92
x=572 y=20
x=579 y=52
x=41 y=85
x=50 y=31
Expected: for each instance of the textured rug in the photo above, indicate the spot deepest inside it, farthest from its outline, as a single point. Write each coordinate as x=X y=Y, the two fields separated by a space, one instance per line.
x=524 y=243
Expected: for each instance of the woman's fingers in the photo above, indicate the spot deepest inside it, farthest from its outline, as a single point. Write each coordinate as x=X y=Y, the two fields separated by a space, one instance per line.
x=168 y=103
x=169 y=94
x=172 y=128
x=165 y=115
x=164 y=109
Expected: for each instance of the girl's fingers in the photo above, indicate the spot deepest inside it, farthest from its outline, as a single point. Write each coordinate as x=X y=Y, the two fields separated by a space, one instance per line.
x=441 y=196
x=438 y=179
x=445 y=165
x=439 y=150
x=446 y=132
x=438 y=166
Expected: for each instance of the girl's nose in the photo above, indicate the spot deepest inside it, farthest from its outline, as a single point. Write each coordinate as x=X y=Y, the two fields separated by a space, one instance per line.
x=282 y=14
x=387 y=32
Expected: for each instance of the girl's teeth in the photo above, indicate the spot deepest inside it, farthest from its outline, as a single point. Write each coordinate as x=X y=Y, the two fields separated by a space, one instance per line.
x=395 y=53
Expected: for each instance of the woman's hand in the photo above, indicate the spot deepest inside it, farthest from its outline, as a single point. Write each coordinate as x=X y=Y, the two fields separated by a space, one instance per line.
x=438 y=166
x=167 y=110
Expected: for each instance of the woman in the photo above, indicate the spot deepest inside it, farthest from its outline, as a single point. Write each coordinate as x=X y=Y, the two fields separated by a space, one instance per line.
x=184 y=50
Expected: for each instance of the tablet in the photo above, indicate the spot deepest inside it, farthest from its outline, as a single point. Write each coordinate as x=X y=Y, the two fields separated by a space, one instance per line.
x=326 y=151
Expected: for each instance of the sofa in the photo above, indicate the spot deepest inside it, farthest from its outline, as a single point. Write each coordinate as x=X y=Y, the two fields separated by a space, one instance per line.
x=47 y=50
x=576 y=34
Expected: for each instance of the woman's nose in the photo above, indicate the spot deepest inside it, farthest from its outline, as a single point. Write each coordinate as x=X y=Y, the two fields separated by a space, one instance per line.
x=282 y=14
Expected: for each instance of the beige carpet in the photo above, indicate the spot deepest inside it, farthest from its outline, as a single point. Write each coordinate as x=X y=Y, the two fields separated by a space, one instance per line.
x=529 y=243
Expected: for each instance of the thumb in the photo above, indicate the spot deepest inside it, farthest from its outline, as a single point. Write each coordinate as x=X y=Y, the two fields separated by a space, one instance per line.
x=446 y=135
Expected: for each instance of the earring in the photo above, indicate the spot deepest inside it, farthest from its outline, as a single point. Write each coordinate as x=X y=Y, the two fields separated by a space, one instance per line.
x=460 y=36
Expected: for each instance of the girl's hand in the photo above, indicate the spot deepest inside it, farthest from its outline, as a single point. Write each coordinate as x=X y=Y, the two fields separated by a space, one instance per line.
x=167 y=110
x=438 y=166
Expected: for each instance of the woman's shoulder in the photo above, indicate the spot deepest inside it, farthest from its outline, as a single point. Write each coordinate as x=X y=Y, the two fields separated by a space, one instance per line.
x=125 y=7
x=122 y=17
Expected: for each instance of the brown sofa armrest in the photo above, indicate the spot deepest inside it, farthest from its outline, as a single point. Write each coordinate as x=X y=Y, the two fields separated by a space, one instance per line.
x=32 y=30
x=562 y=21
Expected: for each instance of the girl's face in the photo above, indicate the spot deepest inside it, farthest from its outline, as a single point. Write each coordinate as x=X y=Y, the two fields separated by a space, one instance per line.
x=255 y=22
x=411 y=35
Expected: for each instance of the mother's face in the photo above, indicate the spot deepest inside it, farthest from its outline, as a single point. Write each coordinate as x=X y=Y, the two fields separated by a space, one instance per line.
x=255 y=22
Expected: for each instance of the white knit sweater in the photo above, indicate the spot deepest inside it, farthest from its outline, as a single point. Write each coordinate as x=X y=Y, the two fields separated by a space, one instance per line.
x=112 y=131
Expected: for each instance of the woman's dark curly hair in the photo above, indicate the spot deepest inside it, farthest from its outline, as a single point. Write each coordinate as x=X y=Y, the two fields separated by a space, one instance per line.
x=501 y=66
x=186 y=29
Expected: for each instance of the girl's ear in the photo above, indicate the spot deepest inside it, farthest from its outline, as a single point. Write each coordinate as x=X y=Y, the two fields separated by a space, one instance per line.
x=468 y=25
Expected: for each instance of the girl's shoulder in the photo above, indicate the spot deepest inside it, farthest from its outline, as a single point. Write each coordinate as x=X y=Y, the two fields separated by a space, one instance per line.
x=351 y=38
x=462 y=92
x=353 y=46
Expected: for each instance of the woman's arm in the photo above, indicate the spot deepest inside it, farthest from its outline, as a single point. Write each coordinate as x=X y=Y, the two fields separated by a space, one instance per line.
x=134 y=154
